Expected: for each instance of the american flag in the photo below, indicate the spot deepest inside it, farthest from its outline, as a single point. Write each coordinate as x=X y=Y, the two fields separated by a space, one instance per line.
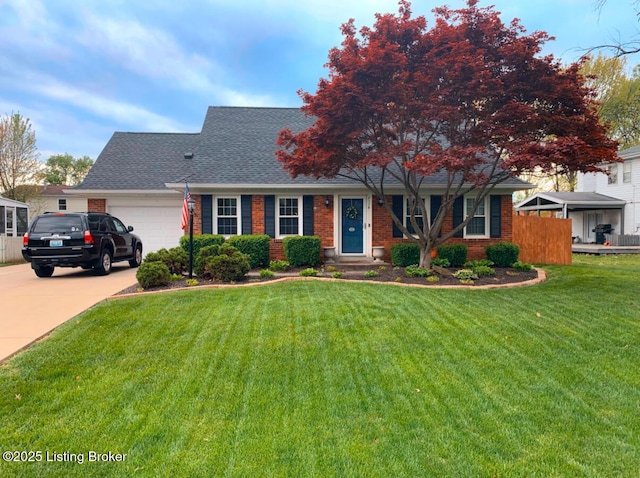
x=185 y=207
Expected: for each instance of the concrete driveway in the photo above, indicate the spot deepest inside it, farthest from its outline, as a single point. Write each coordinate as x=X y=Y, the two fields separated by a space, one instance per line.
x=30 y=307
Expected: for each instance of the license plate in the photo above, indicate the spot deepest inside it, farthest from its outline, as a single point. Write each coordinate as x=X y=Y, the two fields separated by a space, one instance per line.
x=55 y=243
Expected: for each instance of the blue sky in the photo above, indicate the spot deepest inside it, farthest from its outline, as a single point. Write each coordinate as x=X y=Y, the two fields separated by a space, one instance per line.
x=80 y=70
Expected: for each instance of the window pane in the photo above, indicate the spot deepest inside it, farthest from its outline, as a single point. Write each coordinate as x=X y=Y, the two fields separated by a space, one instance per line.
x=227 y=207
x=227 y=226
x=409 y=226
x=288 y=226
x=288 y=206
x=476 y=226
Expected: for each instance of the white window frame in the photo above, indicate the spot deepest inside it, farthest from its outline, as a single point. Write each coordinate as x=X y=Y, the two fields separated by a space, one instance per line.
x=238 y=215
x=425 y=214
x=62 y=204
x=626 y=172
x=278 y=216
x=486 y=215
x=612 y=177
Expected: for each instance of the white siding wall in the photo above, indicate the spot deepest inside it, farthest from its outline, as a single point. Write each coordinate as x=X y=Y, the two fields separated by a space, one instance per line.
x=629 y=192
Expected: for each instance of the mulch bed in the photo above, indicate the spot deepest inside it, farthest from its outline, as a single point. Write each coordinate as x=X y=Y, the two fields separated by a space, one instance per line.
x=386 y=273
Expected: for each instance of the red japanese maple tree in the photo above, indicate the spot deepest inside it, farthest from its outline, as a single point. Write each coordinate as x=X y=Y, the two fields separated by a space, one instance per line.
x=470 y=97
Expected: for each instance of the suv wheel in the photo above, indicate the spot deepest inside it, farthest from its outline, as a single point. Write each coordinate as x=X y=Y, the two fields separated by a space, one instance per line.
x=104 y=264
x=137 y=257
x=44 y=271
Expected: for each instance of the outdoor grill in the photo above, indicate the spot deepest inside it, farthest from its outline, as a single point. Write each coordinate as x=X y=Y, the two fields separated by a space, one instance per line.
x=601 y=230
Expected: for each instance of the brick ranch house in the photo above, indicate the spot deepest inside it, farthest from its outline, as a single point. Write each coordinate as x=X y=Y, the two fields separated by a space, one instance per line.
x=240 y=188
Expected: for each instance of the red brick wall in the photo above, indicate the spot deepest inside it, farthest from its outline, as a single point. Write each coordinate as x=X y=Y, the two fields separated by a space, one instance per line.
x=257 y=214
x=324 y=227
x=383 y=231
x=97 y=205
x=197 y=216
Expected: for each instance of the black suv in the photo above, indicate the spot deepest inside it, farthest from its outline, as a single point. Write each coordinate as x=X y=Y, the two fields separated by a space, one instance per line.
x=89 y=240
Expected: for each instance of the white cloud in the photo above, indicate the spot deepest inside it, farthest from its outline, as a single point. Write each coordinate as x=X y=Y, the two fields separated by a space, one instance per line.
x=147 y=51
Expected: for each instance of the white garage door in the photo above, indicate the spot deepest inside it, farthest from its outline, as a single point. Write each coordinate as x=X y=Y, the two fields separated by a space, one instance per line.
x=158 y=227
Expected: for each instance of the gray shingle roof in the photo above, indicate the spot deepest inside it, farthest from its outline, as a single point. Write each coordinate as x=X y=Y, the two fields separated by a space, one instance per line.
x=141 y=161
x=237 y=145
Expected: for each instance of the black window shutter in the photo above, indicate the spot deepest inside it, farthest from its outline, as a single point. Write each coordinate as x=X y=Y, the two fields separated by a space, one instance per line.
x=397 y=206
x=458 y=215
x=436 y=202
x=206 y=206
x=495 y=228
x=245 y=204
x=2 y=220
x=307 y=215
x=270 y=216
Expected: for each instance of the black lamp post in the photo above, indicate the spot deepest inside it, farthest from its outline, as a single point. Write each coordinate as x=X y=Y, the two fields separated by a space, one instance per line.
x=191 y=205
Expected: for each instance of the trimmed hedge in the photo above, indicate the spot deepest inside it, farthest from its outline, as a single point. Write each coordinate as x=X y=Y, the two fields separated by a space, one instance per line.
x=256 y=246
x=153 y=274
x=503 y=254
x=175 y=259
x=200 y=241
x=230 y=265
x=302 y=250
x=455 y=253
x=201 y=260
x=405 y=254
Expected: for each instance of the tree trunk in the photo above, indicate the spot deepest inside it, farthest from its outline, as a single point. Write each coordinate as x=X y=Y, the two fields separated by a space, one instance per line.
x=425 y=257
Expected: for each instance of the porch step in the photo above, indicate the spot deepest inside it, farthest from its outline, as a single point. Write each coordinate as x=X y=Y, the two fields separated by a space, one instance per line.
x=364 y=262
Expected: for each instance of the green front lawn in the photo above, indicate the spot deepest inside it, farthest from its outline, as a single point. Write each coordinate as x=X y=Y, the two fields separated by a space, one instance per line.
x=341 y=379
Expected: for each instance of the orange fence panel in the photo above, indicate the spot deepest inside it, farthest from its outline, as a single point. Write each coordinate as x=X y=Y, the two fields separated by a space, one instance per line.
x=543 y=240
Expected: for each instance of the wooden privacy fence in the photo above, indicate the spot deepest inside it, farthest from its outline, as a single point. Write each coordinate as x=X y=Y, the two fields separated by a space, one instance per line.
x=543 y=240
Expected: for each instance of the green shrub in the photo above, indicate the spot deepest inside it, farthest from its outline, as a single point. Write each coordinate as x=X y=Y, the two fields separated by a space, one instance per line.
x=522 y=266
x=456 y=254
x=484 y=271
x=279 y=265
x=415 y=271
x=372 y=274
x=267 y=274
x=476 y=263
x=192 y=282
x=175 y=259
x=405 y=254
x=201 y=259
x=465 y=274
x=440 y=262
x=309 y=272
x=256 y=246
x=433 y=279
x=503 y=254
x=337 y=275
x=230 y=265
x=302 y=250
x=153 y=274
x=200 y=241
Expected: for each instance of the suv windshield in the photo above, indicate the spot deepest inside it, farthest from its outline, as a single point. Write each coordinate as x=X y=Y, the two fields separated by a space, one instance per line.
x=60 y=224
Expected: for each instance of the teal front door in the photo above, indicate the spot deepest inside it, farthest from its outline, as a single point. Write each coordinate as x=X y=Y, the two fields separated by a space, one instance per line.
x=352 y=225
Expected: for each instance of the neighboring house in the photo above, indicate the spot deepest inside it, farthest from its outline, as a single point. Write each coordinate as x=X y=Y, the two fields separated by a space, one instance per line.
x=601 y=198
x=14 y=217
x=240 y=188
x=623 y=183
x=54 y=199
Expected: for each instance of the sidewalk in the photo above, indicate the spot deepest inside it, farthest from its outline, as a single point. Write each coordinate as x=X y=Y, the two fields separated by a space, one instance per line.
x=32 y=307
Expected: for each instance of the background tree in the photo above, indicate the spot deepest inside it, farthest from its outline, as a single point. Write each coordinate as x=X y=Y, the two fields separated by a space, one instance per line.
x=618 y=94
x=65 y=169
x=467 y=99
x=18 y=153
